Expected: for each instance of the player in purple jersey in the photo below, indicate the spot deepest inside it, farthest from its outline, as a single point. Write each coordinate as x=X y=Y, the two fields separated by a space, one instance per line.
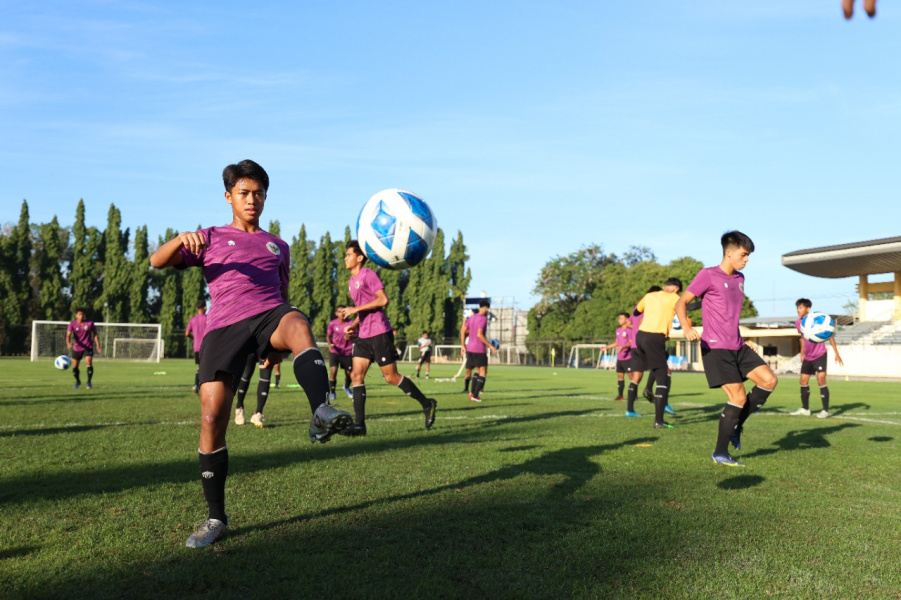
x=246 y=269
x=623 y=345
x=257 y=418
x=813 y=362
x=476 y=348
x=195 y=330
x=728 y=361
x=374 y=339
x=82 y=340
x=340 y=348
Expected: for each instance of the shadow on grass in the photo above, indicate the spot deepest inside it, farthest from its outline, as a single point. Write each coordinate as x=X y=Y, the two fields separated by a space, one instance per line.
x=880 y=438
x=836 y=410
x=806 y=439
x=17 y=552
x=741 y=482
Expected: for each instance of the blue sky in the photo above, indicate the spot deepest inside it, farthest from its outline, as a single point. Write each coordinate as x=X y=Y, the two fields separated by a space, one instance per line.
x=533 y=127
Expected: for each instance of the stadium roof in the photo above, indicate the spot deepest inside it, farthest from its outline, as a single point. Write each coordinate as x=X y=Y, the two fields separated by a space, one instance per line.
x=847 y=260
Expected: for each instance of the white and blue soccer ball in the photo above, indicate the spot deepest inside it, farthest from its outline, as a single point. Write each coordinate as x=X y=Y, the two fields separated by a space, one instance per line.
x=676 y=323
x=817 y=327
x=62 y=362
x=396 y=229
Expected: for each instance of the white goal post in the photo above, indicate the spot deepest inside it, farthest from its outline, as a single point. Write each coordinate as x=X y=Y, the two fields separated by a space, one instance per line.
x=441 y=353
x=587 y=353
x=128 y=341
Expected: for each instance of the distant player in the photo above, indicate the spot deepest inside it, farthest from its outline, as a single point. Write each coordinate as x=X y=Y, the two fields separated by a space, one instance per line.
x=658 y=309
x=425 y=354
x=374 y=339
x=623 y=345
x=813 y=362
x=636 y=365
x=263 y=385
x=476 y=348
x=728 y=360
x=195 y=330
x=340 y=352
x=246 y=269
x=83 y=342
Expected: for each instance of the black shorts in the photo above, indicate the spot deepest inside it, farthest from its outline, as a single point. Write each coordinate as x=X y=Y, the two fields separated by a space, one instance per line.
x=197 y=357
x=227 y=348
x=729 y=366
x=636 y=363
x=476 y=360
x=426 y=357
x=378 y=349
x=79 y=354
x=622 y=366
x=812 y=367
x=653 y=349
x=345 y=361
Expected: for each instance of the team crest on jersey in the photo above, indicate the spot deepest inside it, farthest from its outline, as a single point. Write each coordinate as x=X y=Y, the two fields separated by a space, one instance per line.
x=726 y=285
x=273 y=247
x=356 y=285
x=231 y=242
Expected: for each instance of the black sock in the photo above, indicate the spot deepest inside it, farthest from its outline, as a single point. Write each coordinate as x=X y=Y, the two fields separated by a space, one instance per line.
x=466 y=384
x=756 y=398
x=824 y=395
x=805 y=397
x=633 y=394
x=649 y=386
x=278 y=377
x=410 y=389
x=347 y=381
x=620 y=386
x=241 y=392
x=90 y=372
x=213 y=472
x=197 y=378
x=661 y=398
x=263 y=388
x=312 y=375
x=728 y=425
x=77 y=375
x=331 y=386
x=360 y=404
x=478 y=382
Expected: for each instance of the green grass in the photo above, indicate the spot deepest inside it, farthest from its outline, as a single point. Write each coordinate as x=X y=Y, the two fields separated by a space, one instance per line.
x=545 y=490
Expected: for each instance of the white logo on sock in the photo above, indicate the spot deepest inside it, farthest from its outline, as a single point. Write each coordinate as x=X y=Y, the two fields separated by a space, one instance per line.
x=207 y=474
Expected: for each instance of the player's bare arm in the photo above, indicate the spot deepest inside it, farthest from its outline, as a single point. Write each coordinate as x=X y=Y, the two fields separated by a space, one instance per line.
x=484 y=340
x=380 y=301
x=464 y=331
x=169 y=254
x=838 y=357
x=682 y=313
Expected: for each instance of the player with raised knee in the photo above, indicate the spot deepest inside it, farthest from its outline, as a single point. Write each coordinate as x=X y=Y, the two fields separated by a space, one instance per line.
x=195 y=330
x=266 y=367
x=658 y=308
x=82 y=340
x=340 y=352
x=813 y=362
x=374 y=341
x=728 y=360
x=476 y=347
x=246 y=269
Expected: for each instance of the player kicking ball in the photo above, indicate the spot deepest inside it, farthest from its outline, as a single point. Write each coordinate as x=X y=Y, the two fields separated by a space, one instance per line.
x=374 y=339
x=247 y=272
x=728 y=361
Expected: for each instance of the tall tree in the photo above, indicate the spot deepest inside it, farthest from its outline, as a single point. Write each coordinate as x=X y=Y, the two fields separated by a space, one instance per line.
x=275 y=228
x=395 y=283
x=116 y=270
x=170 y=306
x=85 y=268
x=459 y=277
x=139 y=311
x=48 y=281
x=324 y=277
x=428 y=291
x=300 y=280
x=342 y=295
x=15 y=290
x=193 y=291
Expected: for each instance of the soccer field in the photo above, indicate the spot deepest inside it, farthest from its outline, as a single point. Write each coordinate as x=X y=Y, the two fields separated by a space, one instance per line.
x=544 y=490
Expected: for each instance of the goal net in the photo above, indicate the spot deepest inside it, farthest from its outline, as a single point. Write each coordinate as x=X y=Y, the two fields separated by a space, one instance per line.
x=127 y=341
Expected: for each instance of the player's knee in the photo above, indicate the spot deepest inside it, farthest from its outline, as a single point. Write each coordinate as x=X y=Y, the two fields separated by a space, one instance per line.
x=770 y=381
x=393 y=378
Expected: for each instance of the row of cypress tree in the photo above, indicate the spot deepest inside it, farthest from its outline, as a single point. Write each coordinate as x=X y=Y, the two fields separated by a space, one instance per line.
x=47 y=271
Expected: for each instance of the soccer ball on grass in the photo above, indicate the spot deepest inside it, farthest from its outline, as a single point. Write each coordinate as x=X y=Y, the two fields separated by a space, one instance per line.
x=396 y=229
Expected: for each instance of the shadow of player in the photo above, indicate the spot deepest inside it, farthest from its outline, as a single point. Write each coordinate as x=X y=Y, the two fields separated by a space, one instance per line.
x=805 y=439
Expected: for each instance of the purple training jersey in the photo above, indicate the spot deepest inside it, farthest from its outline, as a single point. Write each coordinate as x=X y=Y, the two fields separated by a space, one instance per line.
x=341 y=346
x=636 y=323
x=473 y=324
x=197 y=327
x=812 y=350
x=82 y=335
x=246 y=273
x=722 y=297
x=624 y=338
x=362 y=291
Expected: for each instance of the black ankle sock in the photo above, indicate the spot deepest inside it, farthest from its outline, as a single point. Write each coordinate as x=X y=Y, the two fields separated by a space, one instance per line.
x=805 y=397
x=466 y=384
x=312 y=375
x=410 y=389
x=661 y=399
x=632 y=395
x=90 y=372
x=728 y=424
x=213 y=472
x=263 y=388
x=76 y=373
x=331 y=386
x=824 y=395
x=620 y=386
x=359 y=404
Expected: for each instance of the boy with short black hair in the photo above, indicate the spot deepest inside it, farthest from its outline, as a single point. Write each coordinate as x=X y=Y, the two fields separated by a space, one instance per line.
x=83 y=341
x=813 y=362
x=475 y=347
x=374 y=339
x=195 y=330
x=728 y=361
x=246 y=269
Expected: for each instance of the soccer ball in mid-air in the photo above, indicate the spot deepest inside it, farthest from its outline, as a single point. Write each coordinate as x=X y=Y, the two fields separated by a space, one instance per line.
x=62 y=362
x=676 y=323
x=495 y=343
x=817 y=327
x=396 y=229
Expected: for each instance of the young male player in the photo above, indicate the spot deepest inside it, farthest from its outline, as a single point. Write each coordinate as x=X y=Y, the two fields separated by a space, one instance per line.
x=262 y=390
x=658 y=309
x=813 y=362
x=623 y=345
x=476 y=347
x=82 y=340
x=246 y=269
x=425 y=354
x=195 y=330
x=728 y=361
x=340 y=352
x=636 y=365
x=374 y=339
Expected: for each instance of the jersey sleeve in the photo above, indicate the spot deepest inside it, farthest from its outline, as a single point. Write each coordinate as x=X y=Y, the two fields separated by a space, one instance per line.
x=196 y=260
x=700 y=285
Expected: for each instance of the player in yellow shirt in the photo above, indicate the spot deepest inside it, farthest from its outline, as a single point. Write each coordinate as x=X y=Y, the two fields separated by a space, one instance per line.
x=659 y=309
